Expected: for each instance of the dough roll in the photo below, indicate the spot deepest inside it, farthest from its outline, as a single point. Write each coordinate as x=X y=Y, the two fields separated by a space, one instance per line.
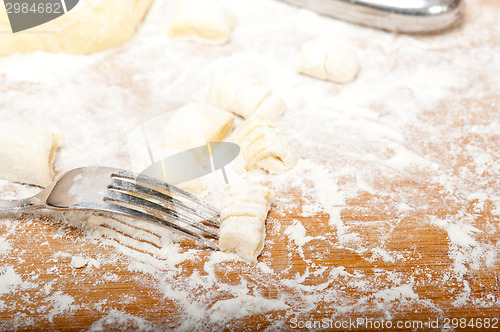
x=243 y=220
x=27 y=154
x=92 y=26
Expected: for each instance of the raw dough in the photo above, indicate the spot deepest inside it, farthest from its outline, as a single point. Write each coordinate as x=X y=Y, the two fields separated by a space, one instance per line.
x=243 y=220
x=328 y=59
x=140 y=163
x=27 y=154
x=205 y=21
x=264 y=147
x=193 y=125
x=244 y=96
x=78 y=262
x=92 y=26
x=196 y=124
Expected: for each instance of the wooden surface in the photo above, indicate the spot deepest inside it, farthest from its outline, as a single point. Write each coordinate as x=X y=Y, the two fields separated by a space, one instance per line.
x=113 y=294
x=137 y=294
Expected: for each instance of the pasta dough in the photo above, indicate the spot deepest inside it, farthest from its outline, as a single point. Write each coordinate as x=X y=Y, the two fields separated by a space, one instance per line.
x=191 y=126
x=264 y=147
x=243 y=220
x=196 y=124
x=27 y=154
x=141 y=162
x=328 y=59
x=92 y=26
x=244 y=96
x=205 y=21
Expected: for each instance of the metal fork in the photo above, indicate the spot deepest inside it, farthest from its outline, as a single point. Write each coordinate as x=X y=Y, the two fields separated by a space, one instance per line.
x=117 y=191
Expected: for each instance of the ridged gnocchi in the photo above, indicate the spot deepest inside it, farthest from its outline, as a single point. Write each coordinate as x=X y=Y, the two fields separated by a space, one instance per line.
x=244 y=96
x=243 y=220
x=264 y=147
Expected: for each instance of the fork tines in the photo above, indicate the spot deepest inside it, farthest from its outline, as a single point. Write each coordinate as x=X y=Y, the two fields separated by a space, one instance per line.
x=145 y=197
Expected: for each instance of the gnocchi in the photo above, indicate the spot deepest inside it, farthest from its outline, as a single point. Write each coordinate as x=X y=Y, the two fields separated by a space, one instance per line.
x=243 y=220
x=204 y=21
x=244 y=96
x=142 y=161
x=27 y=154
x=328 y=59
x=196 y=124
x=264 y=147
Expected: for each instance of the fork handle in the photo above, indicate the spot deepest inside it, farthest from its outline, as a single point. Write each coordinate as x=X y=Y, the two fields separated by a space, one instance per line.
x=20 y=204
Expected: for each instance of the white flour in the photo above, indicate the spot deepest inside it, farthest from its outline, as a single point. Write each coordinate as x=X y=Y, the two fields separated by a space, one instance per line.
x=412 y=141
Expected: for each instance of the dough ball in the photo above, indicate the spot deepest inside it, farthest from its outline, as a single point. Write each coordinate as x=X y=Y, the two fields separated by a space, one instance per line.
x=328 y=59
x=244 y=96
x=204 y=21
x=92 y=26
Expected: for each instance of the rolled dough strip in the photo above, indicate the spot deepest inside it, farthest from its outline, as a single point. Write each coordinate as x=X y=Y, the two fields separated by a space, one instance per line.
x=92 y=26
x=27 y=154
x=243 y=220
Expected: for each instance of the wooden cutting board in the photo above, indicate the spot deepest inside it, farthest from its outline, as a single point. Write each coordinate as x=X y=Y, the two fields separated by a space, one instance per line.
x=117 y=288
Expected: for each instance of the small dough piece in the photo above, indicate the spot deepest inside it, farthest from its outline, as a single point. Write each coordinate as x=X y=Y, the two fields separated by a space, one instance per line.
x=204 y=21
x=243 y=220
x=196 y=124
x=244 y=96
x=92 y=26
x=27 y=154
x=264 y=147
x=328 y=59
x=78 y=262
